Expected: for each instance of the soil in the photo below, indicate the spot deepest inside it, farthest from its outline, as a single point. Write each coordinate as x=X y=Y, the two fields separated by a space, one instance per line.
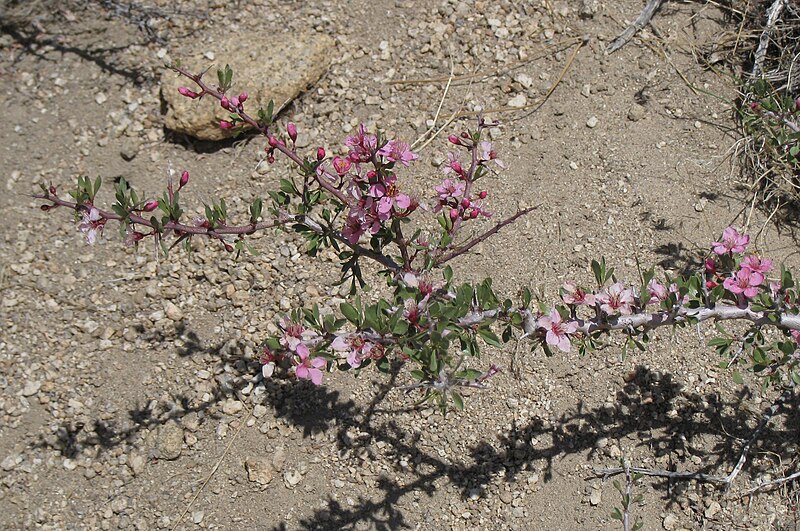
x=130 y=388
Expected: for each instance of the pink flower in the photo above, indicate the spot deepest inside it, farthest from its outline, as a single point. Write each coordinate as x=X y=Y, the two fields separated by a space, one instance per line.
x=307 y=368
x=756 y=264
x=389 y=196
x=295 y=337
x=657 y=291
x=557 y=330
x=616 y=299
x=267 y=363
x=397 y=151
x=341 y=165
x=92 y=225
x=487 y=154
x=362 y=145
x=745 y=282
x=358 y=349
x=575 y=295
x=450 y=189
x=732 y=242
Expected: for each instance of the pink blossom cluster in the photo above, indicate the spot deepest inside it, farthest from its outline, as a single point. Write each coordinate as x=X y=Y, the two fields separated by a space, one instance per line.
x=297 y=342
x=376 y=196
x=454 y=194
x=752 y=271
x=358 y=348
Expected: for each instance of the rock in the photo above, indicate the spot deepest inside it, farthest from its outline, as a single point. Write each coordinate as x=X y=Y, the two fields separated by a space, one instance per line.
x=197 y=516
x=635 y=113
x=276 y=67
x=259 y=470
x=169 y=441
x=232 y=407
x=596 y=497
x=279 y=458
x=173 y=312
x=518 y=101
x=670 y=522
x=506 y=497
x=591 y=123
x=712 y=509
x=292 y=478
x=129 y=149
x=31 y=388
x=259 y=411
x=136 y=463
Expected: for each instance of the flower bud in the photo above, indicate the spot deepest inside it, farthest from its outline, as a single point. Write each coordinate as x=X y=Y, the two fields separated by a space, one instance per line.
x=150 y=205
x=474 y=213
x=453 y=214
x=243 y=97
x=465 y=203
x=225 y=124
x=292 y=130
x=483 y=194
x=464 y=134
x=45 y=208
x=711 y=266
x=228 y=247
x=52 y=190
x=320 y=153
x=453 y=139
x=184 y=179
x=273 y=142
x=711 y=284
x=456 y=167
x=224 y=103
x=234 y=101
x=184 y=91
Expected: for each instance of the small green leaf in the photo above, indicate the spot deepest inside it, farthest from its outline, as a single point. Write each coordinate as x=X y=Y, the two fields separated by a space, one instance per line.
x=457 y=400
x=350 y=313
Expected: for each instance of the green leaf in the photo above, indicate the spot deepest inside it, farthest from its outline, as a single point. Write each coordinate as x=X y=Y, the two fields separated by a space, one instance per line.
x=737 y=377
x=457 y=400
x=350 y=313
x=616 y=514
x=490 y=337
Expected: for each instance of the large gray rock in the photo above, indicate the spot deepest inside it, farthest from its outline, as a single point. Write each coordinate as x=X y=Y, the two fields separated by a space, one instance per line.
x=267 y=67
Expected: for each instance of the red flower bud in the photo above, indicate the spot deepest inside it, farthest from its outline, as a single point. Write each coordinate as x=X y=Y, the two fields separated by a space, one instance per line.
x=52 y=190
x=225 y=124
x=464 y=134
x=456 y=167
x=273 y=142
x=243 y=97
x=45 y=208
x=465 y=202
x=184 y=179
x=224 y=103
x=187 y=92
x=292 y=130
x=150 y=205
x=234 y=101
x=228 y=247
x=320 y=153
x=711 y=266
x=483 y=194
x=711 y=284
x=453 y=214
x=453 y=139
x=474 y=213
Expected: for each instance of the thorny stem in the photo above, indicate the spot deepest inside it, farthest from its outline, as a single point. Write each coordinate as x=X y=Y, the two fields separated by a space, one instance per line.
x=478 y=239
x=264 y=130
x=721 y=312
x=179 y=228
